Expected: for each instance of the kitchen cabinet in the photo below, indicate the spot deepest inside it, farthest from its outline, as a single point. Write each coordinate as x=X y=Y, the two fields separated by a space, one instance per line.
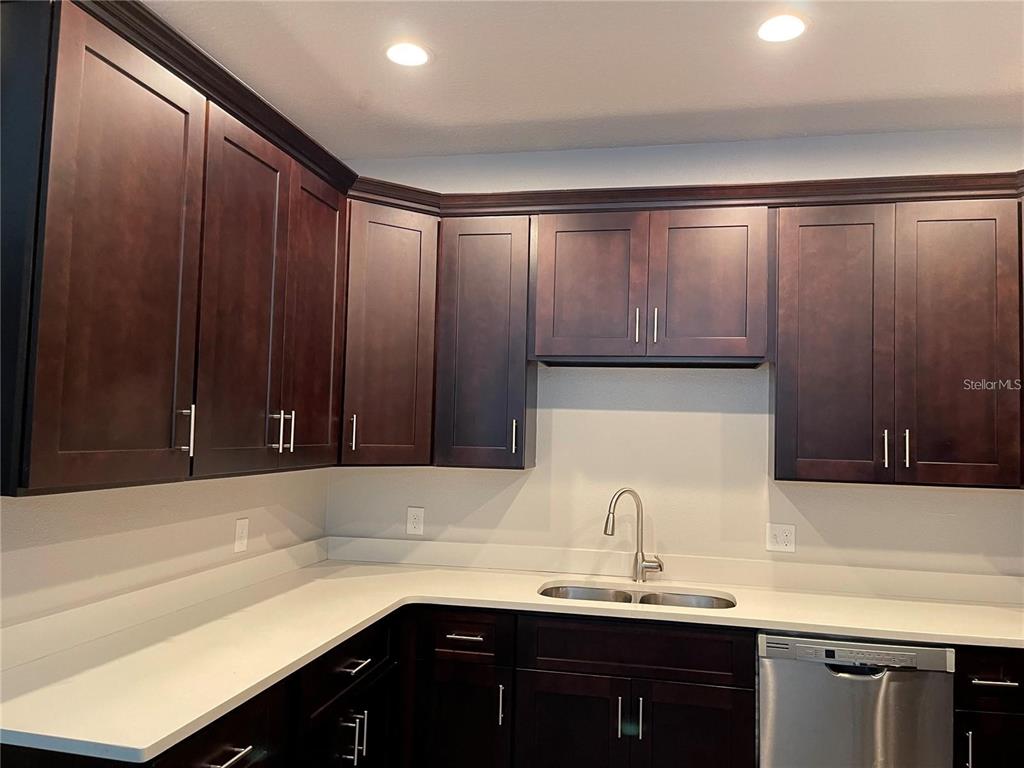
x=988 y=739
x=887 y=318
x=470 y=712
x=958 y=366
x=591 y=292
x=239 y=417
x=389 y=356
x=571 y=719
x=680 y=723
x=708 y=283
x=486 y=389
x=359 y=730
x=834 y=404
x=119 y=273
x=314 y=322
x=666 y=284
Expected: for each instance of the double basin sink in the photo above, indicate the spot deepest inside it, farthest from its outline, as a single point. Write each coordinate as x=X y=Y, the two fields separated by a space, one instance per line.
x=613 y=595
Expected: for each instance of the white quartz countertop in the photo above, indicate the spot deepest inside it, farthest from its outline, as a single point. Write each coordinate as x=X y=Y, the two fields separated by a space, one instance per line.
x=132 y=694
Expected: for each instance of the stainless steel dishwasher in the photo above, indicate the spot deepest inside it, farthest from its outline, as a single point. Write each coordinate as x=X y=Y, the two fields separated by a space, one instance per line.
x=835 y=704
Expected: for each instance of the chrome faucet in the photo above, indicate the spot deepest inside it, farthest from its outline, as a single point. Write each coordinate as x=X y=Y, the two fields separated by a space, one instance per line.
x=641 y=562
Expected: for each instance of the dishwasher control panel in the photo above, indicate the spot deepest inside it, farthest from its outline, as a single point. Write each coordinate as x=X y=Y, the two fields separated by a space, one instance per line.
x=855 y=654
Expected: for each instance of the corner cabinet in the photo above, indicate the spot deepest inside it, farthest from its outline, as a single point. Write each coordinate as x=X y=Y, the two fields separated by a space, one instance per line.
x=899 y=344
x=486 y=389
x=119 y=272
x=685 y=284
x=389 y=357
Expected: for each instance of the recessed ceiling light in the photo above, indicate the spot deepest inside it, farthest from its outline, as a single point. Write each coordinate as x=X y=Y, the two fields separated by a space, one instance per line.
x=408 y=54
x=779 y=29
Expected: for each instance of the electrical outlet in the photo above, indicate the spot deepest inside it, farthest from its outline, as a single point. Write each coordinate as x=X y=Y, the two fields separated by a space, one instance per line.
x=241 y=534
x=780 y=537
x=414 y=521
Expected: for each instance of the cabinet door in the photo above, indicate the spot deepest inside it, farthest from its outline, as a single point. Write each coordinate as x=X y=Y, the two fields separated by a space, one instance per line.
x=314 y=320
x=958 y=343
x=470 y=713
x=988 y=739
x=566 y=719
x=681 y=724
x=120 y=266
x=834 y=409
x=592 y=284
x=480 y=420
x=239 y=420
x=389 y=356
x=708 y=284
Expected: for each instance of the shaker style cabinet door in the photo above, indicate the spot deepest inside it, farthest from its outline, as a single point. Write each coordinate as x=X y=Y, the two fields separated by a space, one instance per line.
x=958 y=343
x=240 y=420
x=389 y=355
x=834 y=411
x=114 y=363
x=314 y=322
x=482 y=371
x=708 y=283
x=591 y=291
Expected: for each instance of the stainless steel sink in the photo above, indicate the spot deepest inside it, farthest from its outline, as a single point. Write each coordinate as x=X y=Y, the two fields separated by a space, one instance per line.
x=612 y=595
x=588 y=593
x=686 y=600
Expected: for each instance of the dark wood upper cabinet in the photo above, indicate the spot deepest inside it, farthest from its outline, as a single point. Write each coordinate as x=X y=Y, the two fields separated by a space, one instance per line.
x=682 y=724
x=834 y=409
x=484 y=383
x=115 y=346
x=389 y=355
x=708 y=284
x=314 y=321
x=566 y=719
x=591 y=285
x=239 y=410
x=958 y=343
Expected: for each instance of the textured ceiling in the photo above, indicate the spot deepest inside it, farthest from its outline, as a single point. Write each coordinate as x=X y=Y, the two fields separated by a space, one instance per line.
x=510 y=76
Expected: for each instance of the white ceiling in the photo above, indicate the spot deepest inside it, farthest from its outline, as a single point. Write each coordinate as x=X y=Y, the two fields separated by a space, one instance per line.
x=510 y=76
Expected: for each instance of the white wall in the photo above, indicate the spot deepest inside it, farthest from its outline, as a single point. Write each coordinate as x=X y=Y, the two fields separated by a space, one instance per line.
x=67 y=549
x=695 y=443
x=820 y=157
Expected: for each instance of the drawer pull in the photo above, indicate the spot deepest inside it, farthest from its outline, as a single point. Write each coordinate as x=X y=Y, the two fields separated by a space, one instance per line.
x=240 y=752
x=465 y=638
x=354 y=757
x=995 y=683
x=360 y=665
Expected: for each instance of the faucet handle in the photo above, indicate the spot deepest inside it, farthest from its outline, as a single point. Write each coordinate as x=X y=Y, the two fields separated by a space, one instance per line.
x=652 y=563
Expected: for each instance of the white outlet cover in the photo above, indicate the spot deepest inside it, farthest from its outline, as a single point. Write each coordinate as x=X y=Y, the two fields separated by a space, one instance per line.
x=780 y=537
x=241 y=534
x=414 y=521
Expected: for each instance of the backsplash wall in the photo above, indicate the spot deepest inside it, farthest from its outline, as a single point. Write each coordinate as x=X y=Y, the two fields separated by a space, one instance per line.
x=66 y=549
x=696 y=444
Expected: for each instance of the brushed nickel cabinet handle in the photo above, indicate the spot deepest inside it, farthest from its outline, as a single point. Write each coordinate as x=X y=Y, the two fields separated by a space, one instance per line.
x=885 y=446
x=619 y=725
x=513 y=436
x=501 y=704
x=466 y=638
x=636 y=327
x=640 y=727
x=365 y=717
x=279 y=417
x=240 y=752
x=360 y=665
x=655 y=325
x=357 y=721
x=353 y=431
x=291 y=439
x=970 y=749
x=191 y=413
x=995 y=683
x=906 y=448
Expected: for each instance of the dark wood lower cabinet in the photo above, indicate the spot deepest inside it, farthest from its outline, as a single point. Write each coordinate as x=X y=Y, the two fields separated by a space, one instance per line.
x=469 y=713
x=565 y=719
x=988 y=740
x=683 y=724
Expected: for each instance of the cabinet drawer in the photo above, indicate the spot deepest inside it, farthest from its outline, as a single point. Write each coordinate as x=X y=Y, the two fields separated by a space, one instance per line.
x=990 y=679
x=649 y=650
x=475 y=637
x=250 y=735
x=325 y=679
